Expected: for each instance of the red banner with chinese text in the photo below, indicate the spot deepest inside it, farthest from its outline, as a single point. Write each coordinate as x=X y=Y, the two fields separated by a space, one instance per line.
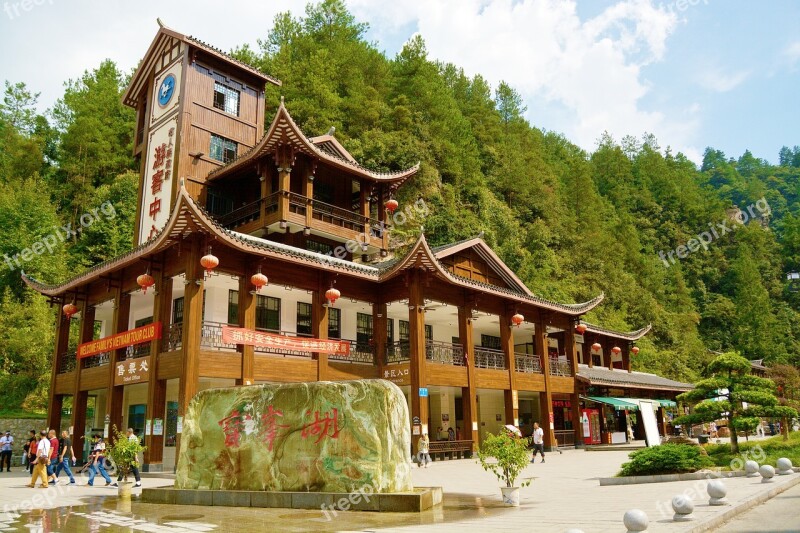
x=120 y=340
x=231 y=335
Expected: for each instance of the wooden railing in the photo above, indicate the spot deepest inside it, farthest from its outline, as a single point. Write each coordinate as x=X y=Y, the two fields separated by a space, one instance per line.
x=531 y=364
x=398 y=352
x=249 y=212
x=174 y=339
x=560 y=367
x=444 y=352
x=67 y=362
x=489 y=358
x=100 y=359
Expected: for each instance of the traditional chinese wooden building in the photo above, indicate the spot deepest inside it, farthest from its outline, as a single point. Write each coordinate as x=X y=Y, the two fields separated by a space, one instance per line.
x=265 y=256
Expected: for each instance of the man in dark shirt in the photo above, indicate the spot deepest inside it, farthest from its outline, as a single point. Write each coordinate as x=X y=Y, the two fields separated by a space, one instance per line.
x=30 y=449
x=67 y=453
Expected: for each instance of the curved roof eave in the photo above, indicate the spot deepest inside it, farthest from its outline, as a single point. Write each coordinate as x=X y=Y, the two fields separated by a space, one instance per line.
x=277 y=132
x=630 y=336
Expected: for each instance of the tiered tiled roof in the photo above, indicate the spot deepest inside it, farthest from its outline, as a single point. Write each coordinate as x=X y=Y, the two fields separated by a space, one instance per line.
x=622 y=379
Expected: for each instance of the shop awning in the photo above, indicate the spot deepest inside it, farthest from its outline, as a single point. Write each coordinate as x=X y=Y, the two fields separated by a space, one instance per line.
x=660 y=403
x=619 y=404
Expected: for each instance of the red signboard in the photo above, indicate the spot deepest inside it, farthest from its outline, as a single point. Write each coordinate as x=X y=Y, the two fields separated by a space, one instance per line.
x=233 y=335
x=120 y=340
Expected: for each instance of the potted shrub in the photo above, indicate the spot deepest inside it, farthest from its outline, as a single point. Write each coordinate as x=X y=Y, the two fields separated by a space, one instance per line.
x=124 y=452
x=505 y=455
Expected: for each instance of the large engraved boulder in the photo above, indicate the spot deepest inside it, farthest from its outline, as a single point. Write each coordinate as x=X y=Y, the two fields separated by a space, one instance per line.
x=319 y=437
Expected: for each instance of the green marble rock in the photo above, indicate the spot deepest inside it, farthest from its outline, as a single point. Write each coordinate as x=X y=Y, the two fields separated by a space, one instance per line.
x=319 y=437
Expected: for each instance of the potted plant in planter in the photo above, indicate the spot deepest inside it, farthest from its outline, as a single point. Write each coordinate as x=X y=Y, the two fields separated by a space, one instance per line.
x=510 y=454
x=124 y=452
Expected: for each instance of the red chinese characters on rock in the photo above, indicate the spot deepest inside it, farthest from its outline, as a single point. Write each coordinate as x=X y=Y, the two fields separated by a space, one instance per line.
x=322 y=428
x=232 y=425
x=269 y=428
x=241 y=423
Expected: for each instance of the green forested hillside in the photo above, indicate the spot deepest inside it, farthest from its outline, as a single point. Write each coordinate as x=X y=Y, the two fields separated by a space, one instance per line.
x=569 y=222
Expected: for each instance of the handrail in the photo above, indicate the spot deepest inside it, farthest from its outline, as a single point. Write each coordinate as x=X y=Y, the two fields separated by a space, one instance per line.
x=444 y=352
x=398 y=352
x=363 y=353
x=67 y=362
x=560 y=367
x=531 y=364
x=489 y=358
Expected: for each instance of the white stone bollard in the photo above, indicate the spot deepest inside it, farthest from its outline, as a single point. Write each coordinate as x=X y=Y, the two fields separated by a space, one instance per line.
x=785 y=466
x=683 y=507
x=751 y=468
x=717 y=491
x=635 y=520
x=767 y=473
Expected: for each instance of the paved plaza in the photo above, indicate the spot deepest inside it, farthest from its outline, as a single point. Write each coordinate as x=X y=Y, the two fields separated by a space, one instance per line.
x=565 y=493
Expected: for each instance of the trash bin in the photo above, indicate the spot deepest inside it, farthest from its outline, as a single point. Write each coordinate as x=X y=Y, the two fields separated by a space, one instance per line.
x=702 y=439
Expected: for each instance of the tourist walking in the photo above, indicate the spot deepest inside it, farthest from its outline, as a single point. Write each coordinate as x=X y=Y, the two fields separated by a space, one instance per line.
x=6 y=444
x=423 y=451
x=97 y=461
x=135 y=470
x=41 y=459
x=51 y=469
x=30 y=450
x=538 y=441
x=67 y=453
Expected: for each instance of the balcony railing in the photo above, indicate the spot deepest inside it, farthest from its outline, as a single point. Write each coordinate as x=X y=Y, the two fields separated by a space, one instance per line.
x=67 y=363
x=359 y=353
x=137 y=350
x=249 y=212
x=489 y=358
x=174 y=339
x=398 y=352
x=211 y=337
x=100 y=359
x=560 y=367
x=531 y=364
x=444 y=352
x=297 y=203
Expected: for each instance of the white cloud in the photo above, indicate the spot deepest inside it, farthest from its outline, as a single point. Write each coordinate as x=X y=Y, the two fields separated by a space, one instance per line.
x=592 y=68
x=721 y=82
x=792 y=52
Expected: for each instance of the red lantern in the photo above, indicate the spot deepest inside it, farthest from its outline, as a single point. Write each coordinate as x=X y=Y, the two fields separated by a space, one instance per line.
x=617 y=350
x=332 y=295
x=517 y=319
x=580 y=328
x=145 y=281
x=259 y=280
x=69 y=310
x=209 y=262
x=391 y=205
x=596 y=347
x=635 y=350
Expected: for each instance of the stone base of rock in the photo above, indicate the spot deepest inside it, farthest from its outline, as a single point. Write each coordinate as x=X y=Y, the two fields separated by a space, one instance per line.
x=418 y=500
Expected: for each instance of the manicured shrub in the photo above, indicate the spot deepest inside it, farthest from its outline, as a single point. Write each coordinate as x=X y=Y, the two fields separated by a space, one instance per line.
x=665 y=459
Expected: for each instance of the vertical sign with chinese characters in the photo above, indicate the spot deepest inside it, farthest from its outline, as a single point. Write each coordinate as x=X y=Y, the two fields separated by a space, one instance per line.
x=157 y=191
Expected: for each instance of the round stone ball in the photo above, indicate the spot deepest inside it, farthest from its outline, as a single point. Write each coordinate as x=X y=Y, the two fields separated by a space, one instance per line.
x=766 y=471
x=636 y=520
x=717 y=489
x=682 y=505
x=751 y=467
x=784 y=464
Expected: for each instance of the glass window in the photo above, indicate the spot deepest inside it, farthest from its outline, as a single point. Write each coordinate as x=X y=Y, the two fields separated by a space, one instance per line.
x=222 y=149
x=404 y=329
x=389 y=331
x=226 y=99
x=490 y=341
x=136 y=418
x=428 y=332
x=363 y=329
x=177 y=311
x=334 y=323
x=303 y=318
x=171 y=429
x=319 y=247
x=143 y=322
x=268 y=313
x=233 y=307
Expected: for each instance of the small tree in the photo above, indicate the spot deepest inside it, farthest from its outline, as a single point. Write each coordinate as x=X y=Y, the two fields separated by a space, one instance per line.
x=511 y=453
x=125 y=452
x=787 y=379
x=725 y=393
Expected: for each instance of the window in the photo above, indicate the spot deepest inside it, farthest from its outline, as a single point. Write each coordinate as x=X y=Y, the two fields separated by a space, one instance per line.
x=143 y=322
x=490 y=341
x=136 y=415
x=172 y=425
x=303 y=318
x=233 y=307
x=363 y=329
x=226 y=99
x=389 y=331
x=323 y=192
x=404 y=336
x=268 y=313
x=334 y=323
x=177 y=311
x=222 y=149
x=428 y=332
x=319 y=247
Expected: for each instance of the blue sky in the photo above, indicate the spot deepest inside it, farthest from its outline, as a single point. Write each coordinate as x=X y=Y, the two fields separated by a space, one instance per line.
x=696 y=73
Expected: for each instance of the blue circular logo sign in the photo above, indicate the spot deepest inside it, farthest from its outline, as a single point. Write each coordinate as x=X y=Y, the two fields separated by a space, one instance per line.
x=166 y=90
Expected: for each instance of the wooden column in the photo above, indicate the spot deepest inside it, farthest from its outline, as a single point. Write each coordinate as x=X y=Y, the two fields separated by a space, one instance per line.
x=60 y=347
x=587 y=351
x=265 y=191
x=119 y=324
x=247 y=319
x=379 y=335
x=626 y=356
x=416 y=333
x=284 y=182
x=546 y=397
x=607 y=345
x=569 y=346
x=319 y=324
x=507 y=345
x=308 y=192
x=192 y=326
x=469 y=394
x=80 y=399
x=157 y=388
